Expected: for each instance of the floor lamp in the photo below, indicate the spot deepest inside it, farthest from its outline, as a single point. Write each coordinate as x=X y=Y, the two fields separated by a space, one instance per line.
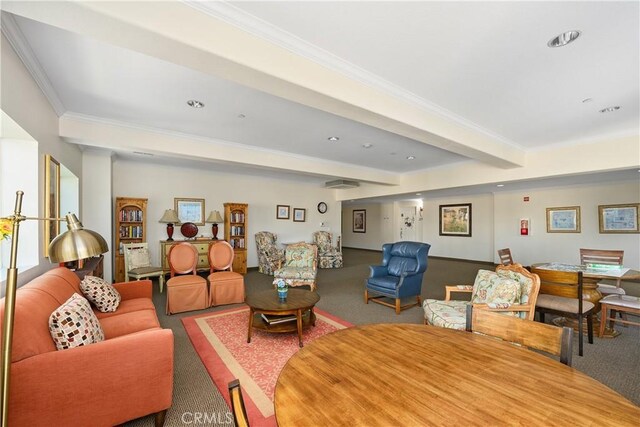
x=74 y=244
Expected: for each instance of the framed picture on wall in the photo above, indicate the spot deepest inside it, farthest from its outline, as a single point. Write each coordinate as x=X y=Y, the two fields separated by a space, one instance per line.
x=359 y=220
x=619 y=218
x=455 y=220
x=299 y=214
x=190 y=210
x=282 y=211
x=563 y=220
x=51 y=200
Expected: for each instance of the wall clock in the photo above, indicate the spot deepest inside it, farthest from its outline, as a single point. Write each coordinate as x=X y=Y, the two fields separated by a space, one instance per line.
x=322 y=207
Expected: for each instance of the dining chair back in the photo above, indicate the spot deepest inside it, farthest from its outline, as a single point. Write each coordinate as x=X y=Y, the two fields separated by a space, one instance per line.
x=567 y=300
x=137 y=263
x=237 y=404
x=601 y=257
x=539 y=336
x=225 y=285
x=186 y=290
x=505 y=256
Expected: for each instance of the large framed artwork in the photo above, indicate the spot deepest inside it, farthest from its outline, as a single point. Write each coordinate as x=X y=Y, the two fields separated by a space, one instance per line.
x=619 y=218
x=190 y=210
x=359 y=220
x=455 y=220
x=51 y=200
x=563 y=219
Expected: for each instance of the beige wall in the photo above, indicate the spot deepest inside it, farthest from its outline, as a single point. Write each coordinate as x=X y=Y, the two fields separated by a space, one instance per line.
x=160 y=184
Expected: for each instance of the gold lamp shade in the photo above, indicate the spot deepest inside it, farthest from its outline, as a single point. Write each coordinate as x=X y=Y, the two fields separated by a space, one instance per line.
x=76 y=243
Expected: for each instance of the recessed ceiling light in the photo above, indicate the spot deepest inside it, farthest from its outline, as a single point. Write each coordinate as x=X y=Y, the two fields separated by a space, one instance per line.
x=610 y=109
x=241 y=116
x=418 y=194
x=333 y=138
x=411 y=157
x=367 y=145
x=587 y=100
x=500 y=185
x=195 y=104
x=564 y=38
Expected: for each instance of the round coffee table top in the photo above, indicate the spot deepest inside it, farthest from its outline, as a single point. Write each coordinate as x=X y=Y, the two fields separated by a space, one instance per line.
x=269 y=301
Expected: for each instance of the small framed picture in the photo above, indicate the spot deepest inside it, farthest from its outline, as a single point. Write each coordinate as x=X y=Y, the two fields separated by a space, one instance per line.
x=619 y=218
x=359 y=220
x=189 y=210
x=299 y=214
x=563 y=220
x=282 y=211
x=455 y=220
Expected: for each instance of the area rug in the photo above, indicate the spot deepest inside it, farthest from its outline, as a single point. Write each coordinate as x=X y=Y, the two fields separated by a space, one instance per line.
x=220 y=339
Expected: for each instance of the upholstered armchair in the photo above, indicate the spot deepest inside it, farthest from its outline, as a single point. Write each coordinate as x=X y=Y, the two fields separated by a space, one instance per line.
x=399 y=276
x=269 y=256
x=511 y=289
x=299 y=267
x=329 y=256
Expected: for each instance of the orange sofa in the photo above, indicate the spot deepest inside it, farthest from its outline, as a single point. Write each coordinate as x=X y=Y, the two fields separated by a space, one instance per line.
x=126 y=376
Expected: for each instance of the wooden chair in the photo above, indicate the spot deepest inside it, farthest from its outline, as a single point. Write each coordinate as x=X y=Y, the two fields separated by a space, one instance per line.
x=237 y=404
x=566 y=300
x=225 y=287
x=550 y=339
x=187 y=292
x=452 y=313
x=621 y=304
x=604 y=257
x=137 y=263
x=505 y=256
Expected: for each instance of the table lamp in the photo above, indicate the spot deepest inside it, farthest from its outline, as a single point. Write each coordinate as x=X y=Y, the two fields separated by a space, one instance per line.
x=74 y=244
x=170 y=217
x=215 y=218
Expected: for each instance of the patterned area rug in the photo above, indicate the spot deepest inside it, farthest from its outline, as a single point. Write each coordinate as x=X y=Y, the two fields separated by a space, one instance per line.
x=220 y=340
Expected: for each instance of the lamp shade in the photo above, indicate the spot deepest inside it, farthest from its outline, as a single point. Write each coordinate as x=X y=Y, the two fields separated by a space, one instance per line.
x=214 y=217
x=76 y=243
x=170 y=217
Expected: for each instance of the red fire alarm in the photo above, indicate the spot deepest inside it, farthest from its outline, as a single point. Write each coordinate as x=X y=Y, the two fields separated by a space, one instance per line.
x=526 y=198
x=524 y=226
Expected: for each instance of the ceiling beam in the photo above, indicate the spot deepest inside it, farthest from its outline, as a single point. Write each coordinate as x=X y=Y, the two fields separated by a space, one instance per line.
x=176 y=32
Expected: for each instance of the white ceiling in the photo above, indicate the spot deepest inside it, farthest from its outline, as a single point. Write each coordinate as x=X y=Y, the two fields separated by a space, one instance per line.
x=483 y=66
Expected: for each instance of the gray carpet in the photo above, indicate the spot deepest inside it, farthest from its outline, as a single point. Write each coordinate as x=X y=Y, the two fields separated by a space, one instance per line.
x=196 y=400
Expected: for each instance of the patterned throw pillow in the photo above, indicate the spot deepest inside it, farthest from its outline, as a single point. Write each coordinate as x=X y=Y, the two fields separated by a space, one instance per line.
x=100 y=293
x=490 y=287
x=74 y=324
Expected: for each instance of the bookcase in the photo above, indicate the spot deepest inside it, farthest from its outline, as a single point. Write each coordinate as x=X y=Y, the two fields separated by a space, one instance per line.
x=130 y=227
x=235 y=232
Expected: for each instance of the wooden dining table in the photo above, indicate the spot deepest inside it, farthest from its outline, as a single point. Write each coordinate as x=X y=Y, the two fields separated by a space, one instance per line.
x=417 y=375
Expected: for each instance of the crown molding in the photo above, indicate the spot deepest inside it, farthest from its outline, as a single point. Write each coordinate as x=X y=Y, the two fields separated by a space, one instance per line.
x=21 y=46
x=237 y=17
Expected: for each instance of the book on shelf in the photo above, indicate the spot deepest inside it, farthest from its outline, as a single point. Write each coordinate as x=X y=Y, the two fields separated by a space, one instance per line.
x=274 y=320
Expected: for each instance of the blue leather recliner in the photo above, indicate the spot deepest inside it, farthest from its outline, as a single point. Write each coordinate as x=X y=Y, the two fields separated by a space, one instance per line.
x=399 y=276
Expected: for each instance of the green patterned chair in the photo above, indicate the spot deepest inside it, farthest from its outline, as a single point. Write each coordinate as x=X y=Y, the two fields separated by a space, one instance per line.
x=329 y=256
x=299 y=267
x=269 y=256
x=511 y=289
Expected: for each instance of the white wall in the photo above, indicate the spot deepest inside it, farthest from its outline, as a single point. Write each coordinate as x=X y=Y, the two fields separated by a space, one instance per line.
x=379 y=226
x=24 y=102
x=161 y=184
x=541 y=246
x=97 y=210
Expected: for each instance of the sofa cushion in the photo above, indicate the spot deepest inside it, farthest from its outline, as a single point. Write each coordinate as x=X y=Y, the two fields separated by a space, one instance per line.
x=128 y=323
x=446 y=314
x=489 y=287
x=127 y=306
x=100 y=293
x=387 y=282
x=73 y=324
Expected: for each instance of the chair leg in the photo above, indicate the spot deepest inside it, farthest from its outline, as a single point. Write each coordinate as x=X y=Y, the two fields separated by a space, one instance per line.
x=366 y=296
x=418 y=299
x=160 y=417
x=397 y=305
x=590 y=328
x=541 y=316
x=580 y=337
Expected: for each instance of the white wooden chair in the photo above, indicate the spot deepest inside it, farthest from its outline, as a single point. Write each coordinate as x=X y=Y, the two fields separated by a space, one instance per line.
x=137 y=263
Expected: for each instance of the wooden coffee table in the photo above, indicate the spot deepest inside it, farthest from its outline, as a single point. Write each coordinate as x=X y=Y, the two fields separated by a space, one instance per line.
x=299 y=302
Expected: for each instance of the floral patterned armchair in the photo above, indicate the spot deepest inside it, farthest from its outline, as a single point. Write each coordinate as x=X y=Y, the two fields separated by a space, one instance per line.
x=328 y=256
x=511 y=289
x=299 y=267
x=269 y=256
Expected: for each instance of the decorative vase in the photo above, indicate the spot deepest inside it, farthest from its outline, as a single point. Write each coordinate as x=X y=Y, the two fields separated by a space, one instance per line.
x=282 y=290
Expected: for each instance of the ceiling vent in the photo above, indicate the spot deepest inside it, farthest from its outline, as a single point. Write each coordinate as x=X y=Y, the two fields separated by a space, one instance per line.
x=341 y=183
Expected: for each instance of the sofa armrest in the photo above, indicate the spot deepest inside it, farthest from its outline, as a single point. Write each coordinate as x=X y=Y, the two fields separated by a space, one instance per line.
x=378 y=270
x=135 y=289
x=456 y=288
x=114 y=381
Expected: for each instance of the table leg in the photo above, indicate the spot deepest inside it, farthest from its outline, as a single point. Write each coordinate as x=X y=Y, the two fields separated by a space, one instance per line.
x=250 y=325
x=299 y=320
x=313 y=317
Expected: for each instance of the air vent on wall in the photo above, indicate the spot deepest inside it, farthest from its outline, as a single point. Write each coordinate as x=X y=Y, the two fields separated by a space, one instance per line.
x=341 y=183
